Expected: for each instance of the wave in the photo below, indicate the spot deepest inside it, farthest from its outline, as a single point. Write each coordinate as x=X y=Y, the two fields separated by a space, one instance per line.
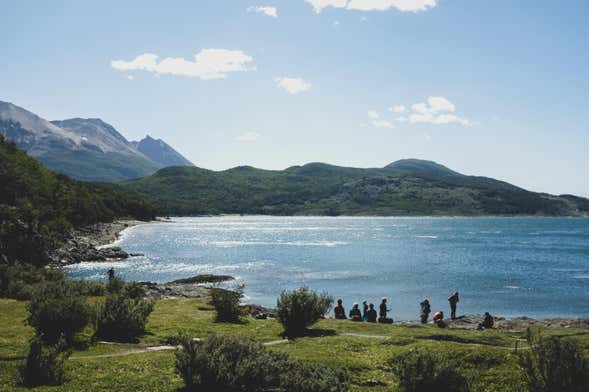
x=234 y=244
x=427 y=236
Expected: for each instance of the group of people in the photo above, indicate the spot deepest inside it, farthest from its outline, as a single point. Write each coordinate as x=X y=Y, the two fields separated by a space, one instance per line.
x=369 y=314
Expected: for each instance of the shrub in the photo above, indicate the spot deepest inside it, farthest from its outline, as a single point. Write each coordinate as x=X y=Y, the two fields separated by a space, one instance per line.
x=230 y=364
x=122 y=318
x=554 y=364
x=423 y=371
x=299 y=309
x=44 y=364
x=305 y=377
x=115 y=285
x=226 y=304
x=58 y=310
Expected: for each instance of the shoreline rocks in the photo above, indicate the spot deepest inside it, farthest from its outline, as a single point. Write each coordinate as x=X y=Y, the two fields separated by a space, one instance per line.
x=88 y=244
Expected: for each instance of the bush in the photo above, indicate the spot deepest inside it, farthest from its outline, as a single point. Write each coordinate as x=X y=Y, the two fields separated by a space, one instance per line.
x=122 y=318
x=305 y=377
x=115 y=285
x=230 y=364
x=19 y=281
x=58 y=310
x=226 y=304
x=299 y=309
x=44 y=364
x=554 y=364
x=423 y=371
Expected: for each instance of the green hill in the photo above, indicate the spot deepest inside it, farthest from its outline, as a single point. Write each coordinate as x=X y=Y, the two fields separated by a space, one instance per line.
x=407 y=187
x=38 y=206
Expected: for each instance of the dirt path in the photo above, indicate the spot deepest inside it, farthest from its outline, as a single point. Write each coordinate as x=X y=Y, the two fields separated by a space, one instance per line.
x=521 y=346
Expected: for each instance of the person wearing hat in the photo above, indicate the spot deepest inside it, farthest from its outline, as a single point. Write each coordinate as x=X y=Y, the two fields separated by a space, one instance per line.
x=355 y=314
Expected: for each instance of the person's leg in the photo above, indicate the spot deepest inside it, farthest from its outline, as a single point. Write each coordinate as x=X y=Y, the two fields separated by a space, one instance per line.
x=453 y=308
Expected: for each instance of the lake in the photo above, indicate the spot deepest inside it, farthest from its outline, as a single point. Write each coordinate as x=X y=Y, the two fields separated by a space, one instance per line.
x=537 y=267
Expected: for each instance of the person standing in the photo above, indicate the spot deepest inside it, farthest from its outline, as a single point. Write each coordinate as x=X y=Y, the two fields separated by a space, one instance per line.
x=453 y=300
x=425 y=310
x=382 y=314
x=364 y=310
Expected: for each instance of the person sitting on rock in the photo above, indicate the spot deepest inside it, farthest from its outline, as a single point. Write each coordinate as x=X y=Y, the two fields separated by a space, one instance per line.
x=487 y=322
x=355 y=314
x=439 y=319
x=371 y=314
x=339 y=312
x=425 y=310
x=382 y=314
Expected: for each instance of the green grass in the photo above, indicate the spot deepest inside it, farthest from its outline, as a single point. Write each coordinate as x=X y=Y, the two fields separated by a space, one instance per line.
x=487 y=355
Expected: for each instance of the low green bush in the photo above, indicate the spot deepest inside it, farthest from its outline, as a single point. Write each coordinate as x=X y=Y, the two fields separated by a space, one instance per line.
x=554 y=364
x=229 y=364
x=299 y=309
x=122 y=318
x=44 y=364
x=19 y=281
x=227 y=304
x=420 y=370
x=58 y=310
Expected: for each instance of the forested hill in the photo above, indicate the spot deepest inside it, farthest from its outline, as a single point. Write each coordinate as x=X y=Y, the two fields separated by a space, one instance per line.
x=407 y=187
x=37 y=206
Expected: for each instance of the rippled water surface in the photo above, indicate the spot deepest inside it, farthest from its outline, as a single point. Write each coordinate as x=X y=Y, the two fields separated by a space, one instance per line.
x=537 y=267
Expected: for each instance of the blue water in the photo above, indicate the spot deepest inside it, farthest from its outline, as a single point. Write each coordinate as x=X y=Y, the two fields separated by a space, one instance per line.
x=538 y=267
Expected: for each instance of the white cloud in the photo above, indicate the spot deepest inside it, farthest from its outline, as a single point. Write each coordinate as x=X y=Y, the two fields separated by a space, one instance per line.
x=268 y=11
x=377 y=122
x=207 y=64
x=293 y=85
x=130 y=77
x=335 y=23
x=248 y=137
x=381 y=124
x=398 y=109
x=437 y=110
x=383 y=5
x=319 y=5
x=374 y=5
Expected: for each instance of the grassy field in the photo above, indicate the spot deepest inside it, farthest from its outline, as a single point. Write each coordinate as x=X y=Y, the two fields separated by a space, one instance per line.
x=363 y=349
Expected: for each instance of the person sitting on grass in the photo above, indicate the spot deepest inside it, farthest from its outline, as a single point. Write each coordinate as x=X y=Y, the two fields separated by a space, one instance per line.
x=371 y=314
x=339 y=312
x=383 y=313
x=355 y=314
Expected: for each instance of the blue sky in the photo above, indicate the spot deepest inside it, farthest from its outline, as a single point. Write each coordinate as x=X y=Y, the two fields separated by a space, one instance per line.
x=495 y=88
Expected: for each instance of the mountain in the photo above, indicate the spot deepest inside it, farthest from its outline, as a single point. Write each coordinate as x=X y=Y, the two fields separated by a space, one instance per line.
x=37 y=206
x=85 y=149
x=407 y=187
x=159 y=151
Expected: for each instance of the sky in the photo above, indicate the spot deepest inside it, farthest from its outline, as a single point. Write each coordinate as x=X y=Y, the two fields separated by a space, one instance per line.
x=493 y=88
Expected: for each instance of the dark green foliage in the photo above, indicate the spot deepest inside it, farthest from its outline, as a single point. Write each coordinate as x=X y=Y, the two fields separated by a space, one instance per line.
x=299 y=309
x=226 y=304
x=306 y=377
x=38 y=207
x=227 y=364
x=410 y=187
x=19 y=281
x=206 y=278
x=554 y=364
x=425 y=371
x=124 y=313
x=44 y=364
x=57 y=310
